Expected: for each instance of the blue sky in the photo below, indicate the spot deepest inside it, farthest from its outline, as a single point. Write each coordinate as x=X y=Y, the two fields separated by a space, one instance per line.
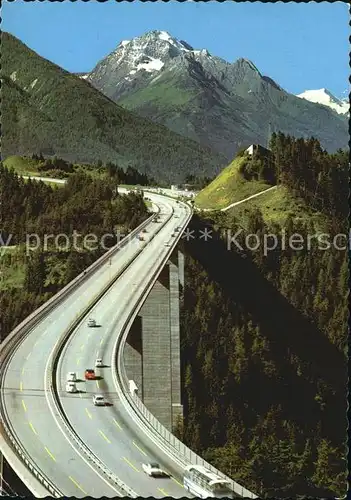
x=301 y=46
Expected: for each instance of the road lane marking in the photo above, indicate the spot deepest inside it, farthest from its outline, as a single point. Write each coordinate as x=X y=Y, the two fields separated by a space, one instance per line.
x=105 y=438
x=78 y=485
x=174 y=479
x=88 y=413
x=80 y=394
x=28 y=355
x=24 y=405
x=50 y=454
x=78 y=360
x=101 y=341
x=163 y=492
x=22 y=372
x=82 y=347
x=116 y=423
x=141 y=451
x=97 y=384
x=21 y=386
x=130 y=464
x=32 y=427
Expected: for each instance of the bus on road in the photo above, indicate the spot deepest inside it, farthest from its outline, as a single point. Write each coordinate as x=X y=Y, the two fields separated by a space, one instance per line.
x=203 y=483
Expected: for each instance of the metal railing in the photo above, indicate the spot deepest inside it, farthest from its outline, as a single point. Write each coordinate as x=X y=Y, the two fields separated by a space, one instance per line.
x=51 y=381
x=166 y=440
x=177 y=450
x=11 y=343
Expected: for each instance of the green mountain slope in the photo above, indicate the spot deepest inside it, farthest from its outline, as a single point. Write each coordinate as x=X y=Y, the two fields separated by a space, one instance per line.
x=48 y=110
x=228 y=187
x=223 y=105
x=277 y=206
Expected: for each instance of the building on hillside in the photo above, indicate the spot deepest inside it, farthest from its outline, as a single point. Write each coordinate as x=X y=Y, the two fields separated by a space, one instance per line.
x=189 y=187
x=258 y=150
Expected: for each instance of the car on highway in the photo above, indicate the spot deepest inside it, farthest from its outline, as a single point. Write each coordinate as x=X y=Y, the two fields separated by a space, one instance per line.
x=98 y=363
x=71 y=387
x=167 y=244
x=89 y=374
x=91 y=322
x=71 y=377
x=98 y=400
x=176 y=216
x=153 y=470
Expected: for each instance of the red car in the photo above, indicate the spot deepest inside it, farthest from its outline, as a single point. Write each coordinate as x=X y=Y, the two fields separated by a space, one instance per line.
x=89 y=374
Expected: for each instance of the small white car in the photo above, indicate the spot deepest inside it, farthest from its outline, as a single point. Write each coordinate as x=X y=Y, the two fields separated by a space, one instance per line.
x=98 y=363
x=153 y=470
x=71 y=387
x=71 y=377
x=167 y=244
x=91 y=322
x=98 y=400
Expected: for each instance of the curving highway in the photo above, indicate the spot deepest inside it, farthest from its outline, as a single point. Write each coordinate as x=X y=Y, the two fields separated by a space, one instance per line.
x=107 y=431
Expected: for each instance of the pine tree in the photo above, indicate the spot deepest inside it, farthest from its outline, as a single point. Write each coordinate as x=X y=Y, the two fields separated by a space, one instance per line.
x=35 y=273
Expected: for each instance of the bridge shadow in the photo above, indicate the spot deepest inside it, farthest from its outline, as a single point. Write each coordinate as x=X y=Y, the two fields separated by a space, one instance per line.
x=288 y=332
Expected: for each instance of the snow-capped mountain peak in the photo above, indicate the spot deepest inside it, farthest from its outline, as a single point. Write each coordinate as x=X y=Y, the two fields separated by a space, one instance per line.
x=146 y=54
x=325 y=97
x=222 y=104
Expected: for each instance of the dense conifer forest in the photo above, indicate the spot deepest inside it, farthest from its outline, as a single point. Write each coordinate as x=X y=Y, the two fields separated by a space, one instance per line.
x=263 y=344
x=264 y=338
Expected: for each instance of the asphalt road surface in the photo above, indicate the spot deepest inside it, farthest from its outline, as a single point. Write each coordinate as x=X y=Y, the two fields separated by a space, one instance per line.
x=28 y=412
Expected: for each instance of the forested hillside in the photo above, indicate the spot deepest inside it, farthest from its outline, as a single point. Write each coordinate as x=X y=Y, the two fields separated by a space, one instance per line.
x=264 y=338
x=223 y=105
x=29 y=211
x=58 y=168
x=48 y=110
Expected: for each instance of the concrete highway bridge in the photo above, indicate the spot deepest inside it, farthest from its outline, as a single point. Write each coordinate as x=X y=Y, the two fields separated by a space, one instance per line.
x=60 y=444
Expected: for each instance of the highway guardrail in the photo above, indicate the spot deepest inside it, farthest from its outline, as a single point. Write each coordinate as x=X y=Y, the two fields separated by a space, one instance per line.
x=177 y=450
x=51 y=380
x=11 y=343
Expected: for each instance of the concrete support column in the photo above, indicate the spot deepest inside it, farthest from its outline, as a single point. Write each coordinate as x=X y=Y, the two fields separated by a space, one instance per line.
x=152 y=350
x=181 y=268
x=156 y=349
x=177 y=409
x=132 y=355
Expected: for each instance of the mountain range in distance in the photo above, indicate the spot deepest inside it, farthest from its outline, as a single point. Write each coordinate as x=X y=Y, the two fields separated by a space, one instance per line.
x=324 y=96
x=222 y=105
x=154 y=103
x=48 y=110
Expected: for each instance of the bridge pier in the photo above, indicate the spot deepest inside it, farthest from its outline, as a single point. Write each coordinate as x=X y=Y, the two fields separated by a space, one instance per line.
x=152 y=350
